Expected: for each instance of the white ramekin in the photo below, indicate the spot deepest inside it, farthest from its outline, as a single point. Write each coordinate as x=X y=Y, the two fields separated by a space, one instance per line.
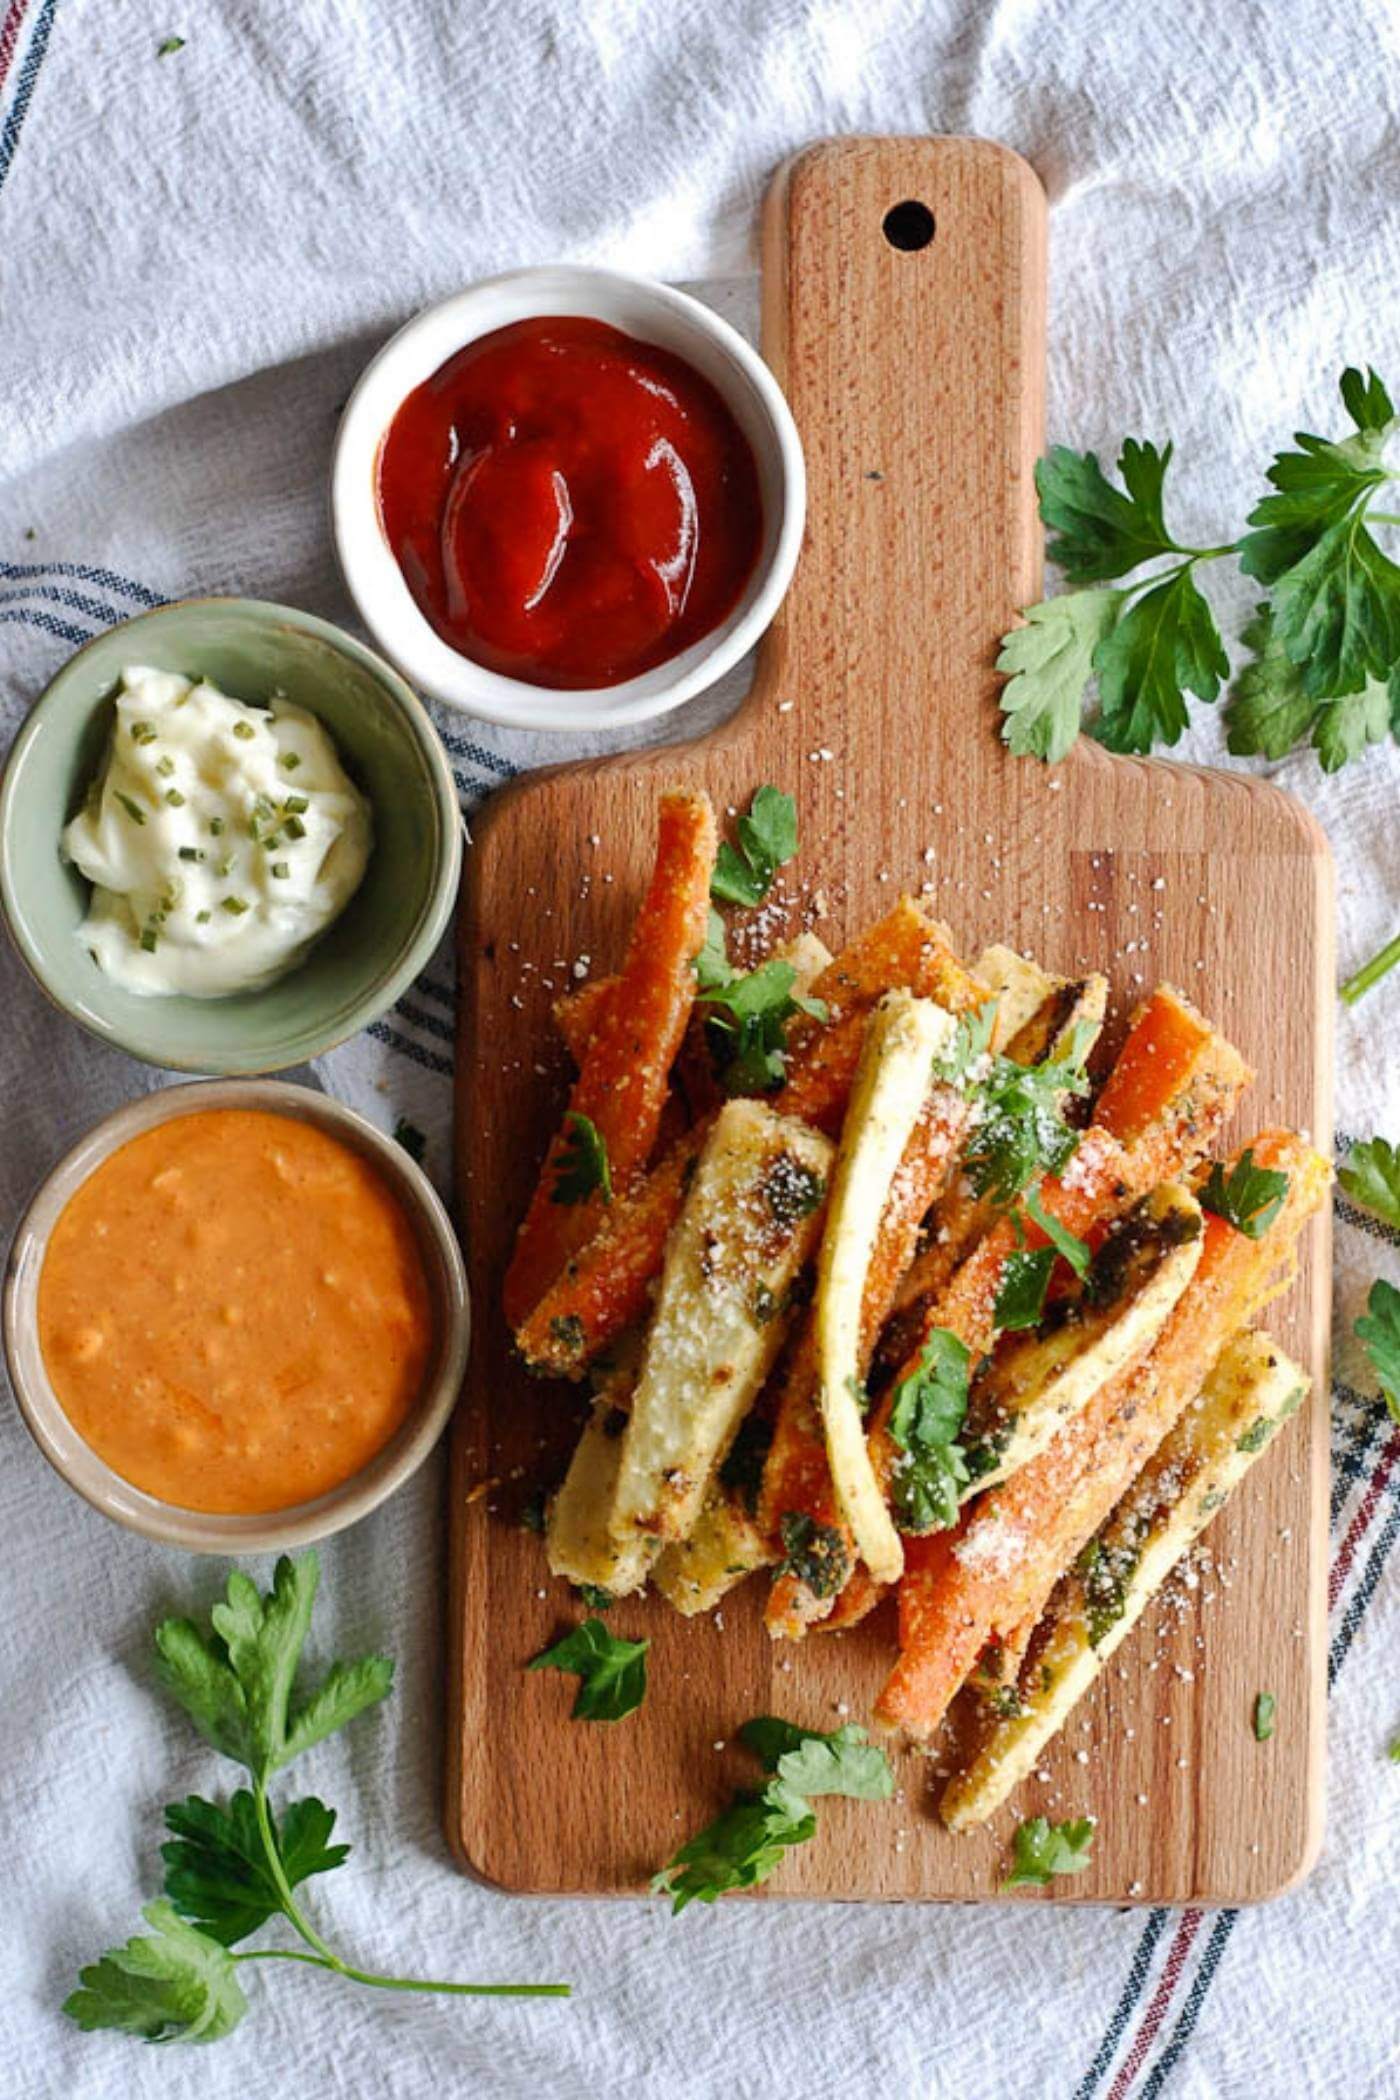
x=654 y=313
x=198 y=1531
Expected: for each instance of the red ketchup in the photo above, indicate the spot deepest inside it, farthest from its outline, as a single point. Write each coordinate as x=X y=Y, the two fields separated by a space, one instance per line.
x=568 y=505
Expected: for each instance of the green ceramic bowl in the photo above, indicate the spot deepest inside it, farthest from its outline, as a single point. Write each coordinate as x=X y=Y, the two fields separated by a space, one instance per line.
x=387 y=745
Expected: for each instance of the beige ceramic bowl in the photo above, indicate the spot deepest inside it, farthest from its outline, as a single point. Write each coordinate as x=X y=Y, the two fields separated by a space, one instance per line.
x=195 y=1530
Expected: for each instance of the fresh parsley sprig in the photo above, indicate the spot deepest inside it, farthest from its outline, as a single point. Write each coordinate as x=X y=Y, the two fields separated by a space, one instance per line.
x=612 y=1673
x=767 y=841
x=1324 y=647
x=229 y=1870
x=753 y=1835
x=1018 y=1130
x=1041 y=1849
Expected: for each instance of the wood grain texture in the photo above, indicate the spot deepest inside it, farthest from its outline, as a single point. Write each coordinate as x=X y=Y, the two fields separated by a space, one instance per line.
x=917 y=383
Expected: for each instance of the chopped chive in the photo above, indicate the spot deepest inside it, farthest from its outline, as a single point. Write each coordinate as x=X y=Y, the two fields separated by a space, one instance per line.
x=294 y=828
x=245 y=731
x=225 y=866
x=174 y=798
x=216 y=827
x=235 y=905
x=281 y=870
x=165 y=767
x=202 y=918
x=296 y=805
x=149 y=939
x=143 y=732
x=133 y=809
x=191 y=853
x=290 y=760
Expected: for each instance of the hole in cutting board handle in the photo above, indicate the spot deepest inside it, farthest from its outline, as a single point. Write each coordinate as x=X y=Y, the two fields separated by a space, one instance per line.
x=909 y=226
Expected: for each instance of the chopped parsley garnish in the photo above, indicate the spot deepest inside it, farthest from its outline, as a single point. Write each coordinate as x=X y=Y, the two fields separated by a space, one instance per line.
x=595 y=1598
x=816 y=1555
x=1105 y=1573
x=1019 y=1131
x=1248 y=1197
x=1371 y=1177
x=744 y=1844
x=1060 y=1237
x=244 y=731
x=582 y=1167
x=1041 y=1849
x=1378 y=1331
x=169 y=45
x=792 y=1189
x=1265 y=1714
x=767 y=840
x=970 y=1042
x=612 y=1673
x=926 y=1416
x=747 y=1015
x=1025 y=1278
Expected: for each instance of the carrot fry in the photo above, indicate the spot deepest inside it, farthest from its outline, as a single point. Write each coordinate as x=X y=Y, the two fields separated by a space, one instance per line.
x=1164 y=1044
x=1016 y=1542
x=622 y=1083
x=606 y=1287
x=577 y=1014
x=797 y=1477
x=906 y=950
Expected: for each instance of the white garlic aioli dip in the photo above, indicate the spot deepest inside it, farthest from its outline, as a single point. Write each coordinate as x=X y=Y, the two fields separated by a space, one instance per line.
x=220 y=839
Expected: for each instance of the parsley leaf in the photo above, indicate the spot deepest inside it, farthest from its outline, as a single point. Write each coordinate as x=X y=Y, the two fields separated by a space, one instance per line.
x=739 y=1849
x=1371 y=1177
x=1060 y=1237
x=582 y=1165
x=169 y=45
x=1378 y=1331
x=235 y=1683
x=216 y=1865
x=1025 y=1278
x=767 y=840
x=1104 y=1574
x=612 y=1672
x=1249 y=1197
x=813 y=1763
x=1041 y=1849
x=1102 y=531
x=1048 y=663
x=744 y=1844
x=1165 y=645
x=1269 y=711
x=178 y=1986
x=927 y=1413
x=967 y=1046
x=1265 y=1711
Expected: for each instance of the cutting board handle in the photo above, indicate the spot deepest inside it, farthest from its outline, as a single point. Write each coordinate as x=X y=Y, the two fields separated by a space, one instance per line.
x=904 y=312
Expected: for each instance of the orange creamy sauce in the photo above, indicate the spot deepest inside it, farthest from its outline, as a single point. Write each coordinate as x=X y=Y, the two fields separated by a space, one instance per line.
x=233 y=1312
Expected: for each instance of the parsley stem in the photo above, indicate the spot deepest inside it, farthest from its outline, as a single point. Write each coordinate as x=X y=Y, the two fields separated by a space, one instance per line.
x=410 y=1983
x=1371 y=973
x=323 y=1957
x=1382 y=517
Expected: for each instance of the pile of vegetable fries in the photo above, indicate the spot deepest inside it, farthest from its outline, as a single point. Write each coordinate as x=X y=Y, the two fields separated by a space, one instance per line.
x=875 y=1288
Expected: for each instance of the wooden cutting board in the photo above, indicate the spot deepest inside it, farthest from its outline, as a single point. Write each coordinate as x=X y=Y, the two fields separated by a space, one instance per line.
x=917 y=381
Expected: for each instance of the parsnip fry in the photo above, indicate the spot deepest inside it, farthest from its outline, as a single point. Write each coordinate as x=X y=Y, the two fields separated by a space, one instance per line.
x=892 y=1080
x=1251 y=1390
x=1033 y=1385
x=748 y=1225
x=725 y=1545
